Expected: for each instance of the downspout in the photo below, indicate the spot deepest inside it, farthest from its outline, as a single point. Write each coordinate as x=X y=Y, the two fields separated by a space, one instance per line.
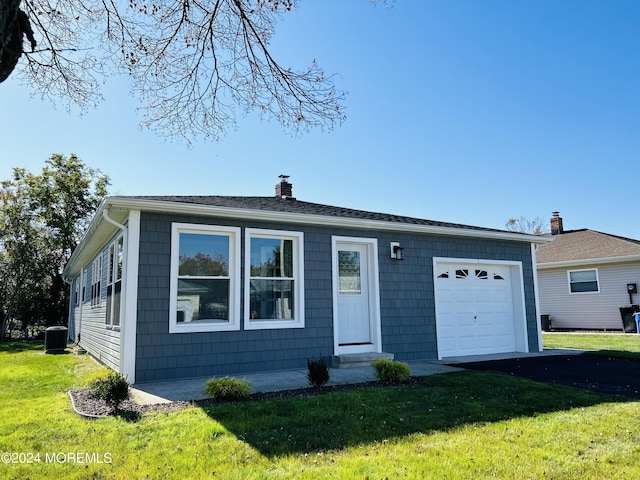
x=71 y=309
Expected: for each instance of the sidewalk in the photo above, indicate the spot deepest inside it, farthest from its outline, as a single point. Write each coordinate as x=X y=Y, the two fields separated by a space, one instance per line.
x=191 y=388
x=150 y=393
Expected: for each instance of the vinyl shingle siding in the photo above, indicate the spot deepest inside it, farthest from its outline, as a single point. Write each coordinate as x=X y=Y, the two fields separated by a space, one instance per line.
x=406 y=302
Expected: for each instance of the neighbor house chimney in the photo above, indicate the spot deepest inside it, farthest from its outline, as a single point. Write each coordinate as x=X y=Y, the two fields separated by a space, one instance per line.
x=284 y=189
x=556 y=224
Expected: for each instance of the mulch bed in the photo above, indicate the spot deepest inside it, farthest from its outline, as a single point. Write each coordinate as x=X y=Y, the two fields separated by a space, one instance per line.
x=87 y=404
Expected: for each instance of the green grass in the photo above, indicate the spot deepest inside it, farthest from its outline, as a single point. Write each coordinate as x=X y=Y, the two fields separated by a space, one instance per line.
x=457 y=425
x=626 y=346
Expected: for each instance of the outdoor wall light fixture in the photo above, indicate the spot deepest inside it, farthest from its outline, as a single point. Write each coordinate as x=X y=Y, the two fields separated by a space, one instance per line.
x=397 y=252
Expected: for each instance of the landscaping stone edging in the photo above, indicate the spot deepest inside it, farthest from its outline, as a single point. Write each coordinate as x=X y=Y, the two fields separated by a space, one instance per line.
x=82 y=414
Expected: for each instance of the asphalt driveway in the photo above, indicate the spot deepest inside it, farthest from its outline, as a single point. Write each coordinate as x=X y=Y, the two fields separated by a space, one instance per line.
x=599 y=374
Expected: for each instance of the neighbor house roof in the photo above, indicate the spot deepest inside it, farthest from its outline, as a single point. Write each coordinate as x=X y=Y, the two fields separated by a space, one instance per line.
x=575 y=247
x=277 y=209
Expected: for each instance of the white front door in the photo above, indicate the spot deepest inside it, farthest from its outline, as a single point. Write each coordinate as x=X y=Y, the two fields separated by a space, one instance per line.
x=355 y=297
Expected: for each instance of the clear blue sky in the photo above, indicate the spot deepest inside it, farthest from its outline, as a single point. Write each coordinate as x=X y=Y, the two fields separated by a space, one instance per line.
x=468 y=111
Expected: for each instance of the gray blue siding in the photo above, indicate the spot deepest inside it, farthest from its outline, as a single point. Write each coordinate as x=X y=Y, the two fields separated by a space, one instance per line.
x=406 y=302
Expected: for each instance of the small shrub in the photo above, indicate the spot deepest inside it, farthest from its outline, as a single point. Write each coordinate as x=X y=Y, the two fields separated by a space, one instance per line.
x=391 y=371
x=227 y=388
x=318 y=373
x=96 y=377
x=113 y=389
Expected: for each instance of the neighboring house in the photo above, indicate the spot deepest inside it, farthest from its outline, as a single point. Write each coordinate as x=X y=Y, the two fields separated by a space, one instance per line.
x=585 y=277
x=189 y=286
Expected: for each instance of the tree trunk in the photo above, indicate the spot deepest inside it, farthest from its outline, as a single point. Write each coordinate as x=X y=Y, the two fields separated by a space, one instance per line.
x=10 y=37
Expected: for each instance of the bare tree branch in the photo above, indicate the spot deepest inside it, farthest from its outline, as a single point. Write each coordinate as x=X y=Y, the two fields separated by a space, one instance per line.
x=193 y=63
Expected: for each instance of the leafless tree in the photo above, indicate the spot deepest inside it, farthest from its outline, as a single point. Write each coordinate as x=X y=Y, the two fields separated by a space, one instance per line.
x=524 y=225
x=193 y=63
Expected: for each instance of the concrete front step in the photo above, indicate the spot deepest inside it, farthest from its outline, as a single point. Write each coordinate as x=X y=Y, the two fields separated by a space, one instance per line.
x=358 y=359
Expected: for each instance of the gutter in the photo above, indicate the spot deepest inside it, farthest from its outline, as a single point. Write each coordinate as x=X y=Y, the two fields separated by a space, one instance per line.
x=105 y=215
x=588 y=261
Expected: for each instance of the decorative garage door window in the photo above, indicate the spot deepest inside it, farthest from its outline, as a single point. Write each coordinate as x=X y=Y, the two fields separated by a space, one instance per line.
x=464 y=273
x=204 y=289
x=273 y=292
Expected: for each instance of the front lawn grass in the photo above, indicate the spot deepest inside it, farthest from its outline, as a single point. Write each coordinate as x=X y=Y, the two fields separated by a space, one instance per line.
x=456 y=425
x=624 y=346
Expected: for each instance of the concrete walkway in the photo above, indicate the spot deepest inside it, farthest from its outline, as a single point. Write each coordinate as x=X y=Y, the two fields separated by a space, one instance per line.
x=192 y=388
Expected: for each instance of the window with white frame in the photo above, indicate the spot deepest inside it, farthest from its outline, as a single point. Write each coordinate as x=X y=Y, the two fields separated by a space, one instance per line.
x=85 y=283
x=96 y=281
x=114 y=281
x=205 y=278
x=76 y=291
x=583 y=281
x=274 y=289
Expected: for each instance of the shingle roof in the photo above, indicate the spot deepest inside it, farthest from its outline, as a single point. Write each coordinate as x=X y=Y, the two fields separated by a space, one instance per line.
x=288 y=205
x=575 y=245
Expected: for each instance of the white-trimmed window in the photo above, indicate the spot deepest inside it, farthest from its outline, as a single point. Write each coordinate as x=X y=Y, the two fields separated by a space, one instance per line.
x=583 y=281
x=114 y=281
x=76 y=292
x=85 y=283
x=205 y=278
x=96 y=281
x=274 y=284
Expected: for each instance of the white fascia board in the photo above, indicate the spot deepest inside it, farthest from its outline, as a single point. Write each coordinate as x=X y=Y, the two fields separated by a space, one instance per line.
x=90 y=242
x=589 y=261
x=313 y=219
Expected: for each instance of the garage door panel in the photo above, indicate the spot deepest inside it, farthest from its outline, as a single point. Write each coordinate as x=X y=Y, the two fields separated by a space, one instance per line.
x=475 y=310
x=483 y=295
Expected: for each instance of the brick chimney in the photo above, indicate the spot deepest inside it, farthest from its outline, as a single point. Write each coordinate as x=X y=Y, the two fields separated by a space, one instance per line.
x=556 y=224
x=284 y=189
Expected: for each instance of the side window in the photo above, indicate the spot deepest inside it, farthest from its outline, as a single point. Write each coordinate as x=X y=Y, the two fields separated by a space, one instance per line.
x=205 y=278
x=76 y=291
x=274 y=290
x=114 y=281
x=583 y=281
x=96 y=281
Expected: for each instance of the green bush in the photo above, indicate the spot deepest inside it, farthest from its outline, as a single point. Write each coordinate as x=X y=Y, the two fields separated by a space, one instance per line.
x=391 y=371
x=227 y=388
x=113 y=389
x=93 y=378
x=318 y=373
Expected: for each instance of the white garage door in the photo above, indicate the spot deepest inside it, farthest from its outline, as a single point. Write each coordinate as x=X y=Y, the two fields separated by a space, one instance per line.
x=474 y=306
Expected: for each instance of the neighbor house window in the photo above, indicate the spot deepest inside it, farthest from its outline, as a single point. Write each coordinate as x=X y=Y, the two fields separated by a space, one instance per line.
x=205 y=278
x=274 y=290
x=96 y=281
x=583 y=281
x=114 y=281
